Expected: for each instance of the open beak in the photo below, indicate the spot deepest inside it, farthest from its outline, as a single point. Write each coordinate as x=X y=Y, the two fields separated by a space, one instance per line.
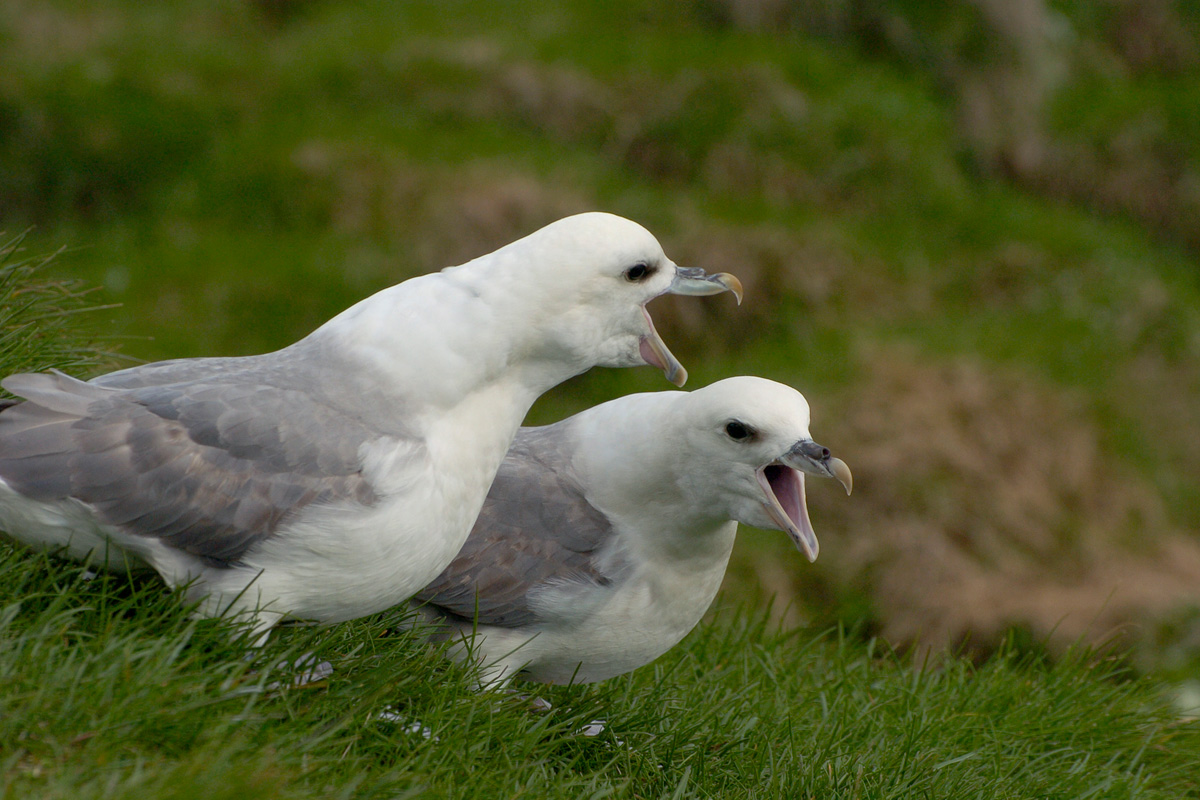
x=782 y=482
x=694 y=282
x=654 y=351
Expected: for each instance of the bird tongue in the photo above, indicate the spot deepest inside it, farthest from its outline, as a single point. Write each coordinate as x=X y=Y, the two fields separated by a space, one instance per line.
x=787 y=485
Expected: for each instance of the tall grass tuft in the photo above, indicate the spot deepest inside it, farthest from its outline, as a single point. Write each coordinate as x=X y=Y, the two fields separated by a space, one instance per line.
x=39 y=326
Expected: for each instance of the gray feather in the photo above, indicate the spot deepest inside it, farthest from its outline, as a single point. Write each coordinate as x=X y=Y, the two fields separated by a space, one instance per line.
x=209 y=455
x=179 y=370
x=53 y=390
x=537 y=530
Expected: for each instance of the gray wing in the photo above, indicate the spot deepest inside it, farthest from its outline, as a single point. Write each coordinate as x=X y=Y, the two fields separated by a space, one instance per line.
x=210 y=466
x=179 y=370
x=536 y=530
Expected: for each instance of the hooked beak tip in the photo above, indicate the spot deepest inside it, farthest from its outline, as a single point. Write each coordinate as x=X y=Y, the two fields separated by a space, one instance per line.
x=731 y=283
x=842 y=473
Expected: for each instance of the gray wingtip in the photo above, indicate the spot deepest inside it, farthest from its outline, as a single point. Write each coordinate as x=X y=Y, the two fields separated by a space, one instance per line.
x=54 y=390
x=12 y=383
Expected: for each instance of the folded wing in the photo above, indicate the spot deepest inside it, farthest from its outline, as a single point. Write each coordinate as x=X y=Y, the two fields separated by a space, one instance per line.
x=537 y=531
x=210 y=466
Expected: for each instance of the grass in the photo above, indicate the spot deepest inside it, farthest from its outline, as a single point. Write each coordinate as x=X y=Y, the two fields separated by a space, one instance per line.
x=39 y=316
x=277 y=161
x=111 y=690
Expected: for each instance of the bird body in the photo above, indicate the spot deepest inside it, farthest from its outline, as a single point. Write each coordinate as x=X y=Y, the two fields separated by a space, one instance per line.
x=606 y=536
x=608 y=635
x=335 y=477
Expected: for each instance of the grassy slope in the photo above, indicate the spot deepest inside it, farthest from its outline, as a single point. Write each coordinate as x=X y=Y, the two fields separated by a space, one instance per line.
x=315 y=159
x=111 y=691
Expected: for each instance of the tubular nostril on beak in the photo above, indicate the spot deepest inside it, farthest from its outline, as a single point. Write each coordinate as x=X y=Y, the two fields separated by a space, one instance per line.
x=813 y=450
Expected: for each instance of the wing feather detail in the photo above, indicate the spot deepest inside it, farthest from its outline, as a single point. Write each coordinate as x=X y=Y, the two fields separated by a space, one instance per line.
x=211 y=465
x=536 y=531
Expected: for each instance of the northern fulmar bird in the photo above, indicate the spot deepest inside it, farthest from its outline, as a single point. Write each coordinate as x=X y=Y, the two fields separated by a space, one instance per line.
x=605 y=537
x=337 y=476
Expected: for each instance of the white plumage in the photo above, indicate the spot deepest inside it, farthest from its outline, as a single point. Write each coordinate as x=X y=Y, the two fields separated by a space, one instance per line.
x=335 y=477
x=605 y=537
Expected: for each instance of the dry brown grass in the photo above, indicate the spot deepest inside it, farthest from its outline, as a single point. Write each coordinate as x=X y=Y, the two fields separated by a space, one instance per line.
x=45 y=34
x=1151 y=35
x=452 y=216
x=1165 y=393
x=984 y=500
x=811 y=270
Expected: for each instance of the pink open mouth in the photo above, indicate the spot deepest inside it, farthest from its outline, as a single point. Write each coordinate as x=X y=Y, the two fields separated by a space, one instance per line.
x=786 y=505
x=655 y=353
x=788 y=487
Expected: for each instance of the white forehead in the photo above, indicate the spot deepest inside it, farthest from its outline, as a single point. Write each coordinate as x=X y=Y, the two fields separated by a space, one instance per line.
x=767 y=405
x=591 y=241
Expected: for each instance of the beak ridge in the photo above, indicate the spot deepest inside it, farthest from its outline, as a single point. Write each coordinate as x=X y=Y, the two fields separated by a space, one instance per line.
x=808 y=456
x=695 y=282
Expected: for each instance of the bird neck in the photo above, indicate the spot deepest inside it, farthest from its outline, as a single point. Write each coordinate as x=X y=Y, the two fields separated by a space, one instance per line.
x=473 y=334
x=633 y=475
x=528 y=328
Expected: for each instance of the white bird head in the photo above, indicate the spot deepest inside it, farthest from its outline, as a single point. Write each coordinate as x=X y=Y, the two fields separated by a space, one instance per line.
x=585 y=281
x=747 y=449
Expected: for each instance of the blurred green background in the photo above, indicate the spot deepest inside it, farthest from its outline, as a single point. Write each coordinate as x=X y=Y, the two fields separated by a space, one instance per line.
x=969 y=231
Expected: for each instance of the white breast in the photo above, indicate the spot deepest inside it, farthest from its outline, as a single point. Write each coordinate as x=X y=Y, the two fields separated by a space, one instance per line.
x=634 y=623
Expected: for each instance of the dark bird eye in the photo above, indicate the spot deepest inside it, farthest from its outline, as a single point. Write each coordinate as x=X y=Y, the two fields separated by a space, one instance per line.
x=738 y=430
x=637 y=272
